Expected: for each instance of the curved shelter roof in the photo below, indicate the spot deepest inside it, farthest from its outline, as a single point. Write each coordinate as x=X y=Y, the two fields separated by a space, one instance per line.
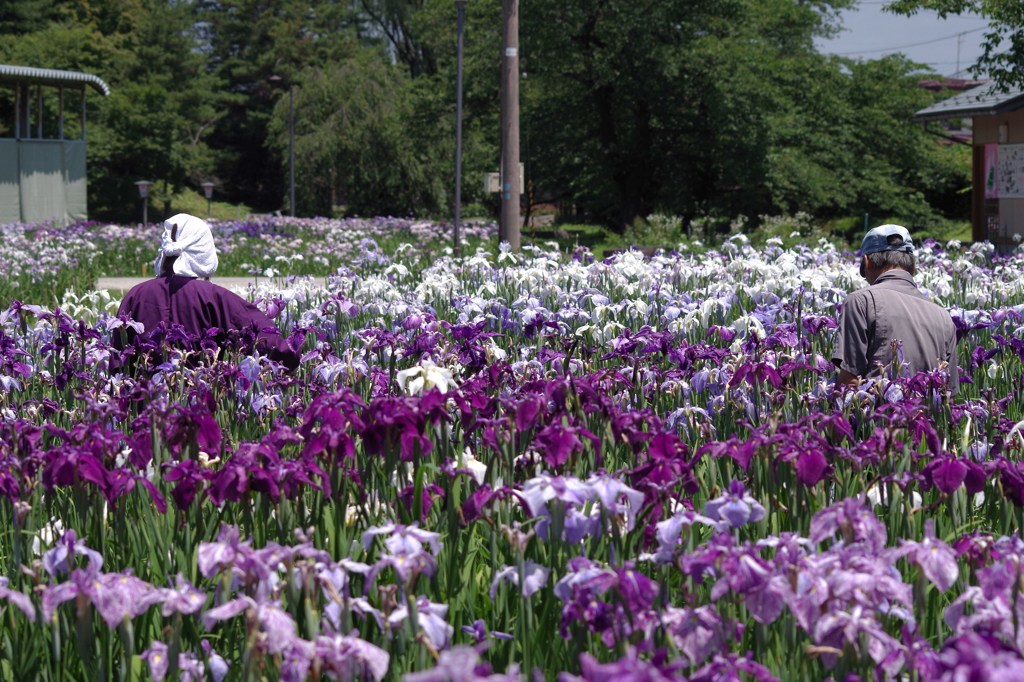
x=29 y=74
x=985 y=100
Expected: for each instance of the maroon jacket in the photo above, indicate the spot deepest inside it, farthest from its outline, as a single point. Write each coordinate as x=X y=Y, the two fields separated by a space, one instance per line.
x=198 y=305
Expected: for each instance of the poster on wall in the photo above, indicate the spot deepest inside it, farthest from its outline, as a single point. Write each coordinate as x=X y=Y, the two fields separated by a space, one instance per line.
x=1009 y=177
x=991 y=165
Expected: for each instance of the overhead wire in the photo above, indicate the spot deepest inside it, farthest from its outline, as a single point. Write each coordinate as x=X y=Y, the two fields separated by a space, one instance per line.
x=897 y=48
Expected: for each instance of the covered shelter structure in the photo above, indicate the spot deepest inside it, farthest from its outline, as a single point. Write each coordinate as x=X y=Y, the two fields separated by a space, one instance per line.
x=997 y=121
x=43 y=143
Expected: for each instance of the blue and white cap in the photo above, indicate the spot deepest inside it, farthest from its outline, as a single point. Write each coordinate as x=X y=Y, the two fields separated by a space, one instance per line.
x=886 y=238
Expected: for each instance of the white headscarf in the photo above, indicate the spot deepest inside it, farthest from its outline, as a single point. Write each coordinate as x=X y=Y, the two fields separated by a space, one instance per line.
x=193 y=245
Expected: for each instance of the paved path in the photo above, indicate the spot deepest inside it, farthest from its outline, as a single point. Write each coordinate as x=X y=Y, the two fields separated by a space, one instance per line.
x=126 y=283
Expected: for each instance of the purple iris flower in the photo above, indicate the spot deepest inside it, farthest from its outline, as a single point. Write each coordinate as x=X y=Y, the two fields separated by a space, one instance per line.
x=557 y=442
x=480 y=633
x=735 y=507
x=946 y=473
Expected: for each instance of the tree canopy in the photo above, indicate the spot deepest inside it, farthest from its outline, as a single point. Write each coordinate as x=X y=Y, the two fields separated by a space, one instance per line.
x=1002 y=56
x=629 y=107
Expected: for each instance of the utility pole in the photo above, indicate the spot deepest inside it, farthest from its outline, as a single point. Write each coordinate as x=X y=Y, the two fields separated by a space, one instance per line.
x=508 y=227
x=460 y=17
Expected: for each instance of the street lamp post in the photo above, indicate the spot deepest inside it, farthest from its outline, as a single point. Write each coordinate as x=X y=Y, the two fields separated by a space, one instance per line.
x=144 y=186
x=208 y=191
x=291 y=142
x=460 y=13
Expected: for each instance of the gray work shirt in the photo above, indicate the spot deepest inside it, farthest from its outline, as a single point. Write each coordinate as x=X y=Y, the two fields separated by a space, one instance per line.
x=893 y=309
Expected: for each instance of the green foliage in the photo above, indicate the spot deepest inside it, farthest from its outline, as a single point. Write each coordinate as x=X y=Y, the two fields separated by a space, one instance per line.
x=351 y=144
x=1002 y=50
x=690 y=109
x=656 y=230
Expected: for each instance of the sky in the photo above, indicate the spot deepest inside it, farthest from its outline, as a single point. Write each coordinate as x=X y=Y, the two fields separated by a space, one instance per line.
x=944 y=44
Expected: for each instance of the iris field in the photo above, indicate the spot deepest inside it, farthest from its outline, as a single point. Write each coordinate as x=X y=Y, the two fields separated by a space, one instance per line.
x=500 y=464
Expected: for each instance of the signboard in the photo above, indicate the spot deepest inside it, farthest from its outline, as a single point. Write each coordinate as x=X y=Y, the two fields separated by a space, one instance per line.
x=1009 y=171
x=492 y=182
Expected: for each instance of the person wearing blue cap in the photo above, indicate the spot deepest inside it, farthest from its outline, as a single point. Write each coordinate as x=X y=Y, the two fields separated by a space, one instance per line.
x=890 y=328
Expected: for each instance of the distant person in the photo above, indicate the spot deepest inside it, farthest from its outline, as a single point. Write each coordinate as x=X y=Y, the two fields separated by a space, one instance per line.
x=181 y=294
x=889 y=328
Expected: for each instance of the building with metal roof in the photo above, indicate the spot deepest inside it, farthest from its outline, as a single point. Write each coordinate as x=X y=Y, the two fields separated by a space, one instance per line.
x=997 y=184
x=43 y=143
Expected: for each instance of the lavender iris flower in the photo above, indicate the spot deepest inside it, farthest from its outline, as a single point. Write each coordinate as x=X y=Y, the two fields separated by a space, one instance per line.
x=537 y=492
x=430 y=619
x=936 y=559
x=668 y=533
x=351 y=658
x=535 y=577
x=405 y=550
x=736 y=507
x=190 y=667
x=116 y=596
x=630 y=668
x=214 y=557
x=60 y=559
x=22 y=601
x=156 y=658
x=462 y=664
x=609 y=490
x=183 y=598
x=296 y=660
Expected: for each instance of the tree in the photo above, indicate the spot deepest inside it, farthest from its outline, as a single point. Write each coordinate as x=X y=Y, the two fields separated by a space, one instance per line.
x=660 y=105
x=247 y=42
x=353 y=143
x=161 y=104
x=1002 y=55
x=848 y=144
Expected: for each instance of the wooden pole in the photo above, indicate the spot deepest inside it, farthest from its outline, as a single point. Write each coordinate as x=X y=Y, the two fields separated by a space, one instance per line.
x=508 y=227
x=460 y=7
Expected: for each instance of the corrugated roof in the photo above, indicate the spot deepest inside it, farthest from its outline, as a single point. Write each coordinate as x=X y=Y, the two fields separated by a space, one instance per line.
x=52 y=77
x=984 y=100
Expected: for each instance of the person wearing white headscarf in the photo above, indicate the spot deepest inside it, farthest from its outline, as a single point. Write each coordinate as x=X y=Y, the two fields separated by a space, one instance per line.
x=180 y=296
x=190 y=241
